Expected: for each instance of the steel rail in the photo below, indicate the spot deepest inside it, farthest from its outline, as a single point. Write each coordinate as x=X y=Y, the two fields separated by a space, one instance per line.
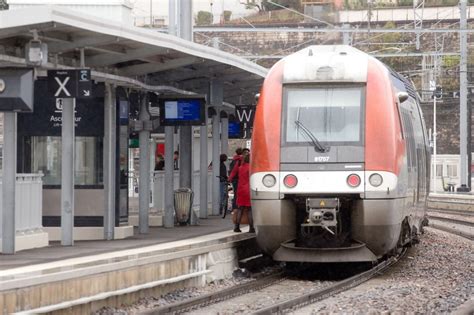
x=451 y=220
x=452 y=211
x=450 y=230
x=215 y=297
x=338 y=287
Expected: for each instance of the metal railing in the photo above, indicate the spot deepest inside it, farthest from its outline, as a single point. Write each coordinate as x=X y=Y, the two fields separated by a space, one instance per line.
x=28 y=203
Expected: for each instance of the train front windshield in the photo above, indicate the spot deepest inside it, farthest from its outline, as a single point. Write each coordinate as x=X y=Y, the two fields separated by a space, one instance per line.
x=328 y=114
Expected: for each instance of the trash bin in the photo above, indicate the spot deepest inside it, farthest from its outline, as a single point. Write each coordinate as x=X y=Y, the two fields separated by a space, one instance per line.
x=183 y=202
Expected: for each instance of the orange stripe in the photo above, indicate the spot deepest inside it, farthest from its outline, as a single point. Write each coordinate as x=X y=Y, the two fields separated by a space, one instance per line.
x=266 y=130
x=384 y=146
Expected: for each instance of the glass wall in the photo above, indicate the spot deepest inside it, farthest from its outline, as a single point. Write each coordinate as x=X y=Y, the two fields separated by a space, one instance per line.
x=46 y=158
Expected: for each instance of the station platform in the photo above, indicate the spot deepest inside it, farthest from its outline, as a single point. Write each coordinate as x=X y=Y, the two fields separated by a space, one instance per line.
x=157 y=235
x=93 y=274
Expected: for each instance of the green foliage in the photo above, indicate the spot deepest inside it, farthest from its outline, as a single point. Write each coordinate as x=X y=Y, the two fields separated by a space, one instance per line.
x=451 y=61
x=391 y=37
x=227 y=15
x=202 y=18
x=405 y=3
x=3 y=5
x=292 y=4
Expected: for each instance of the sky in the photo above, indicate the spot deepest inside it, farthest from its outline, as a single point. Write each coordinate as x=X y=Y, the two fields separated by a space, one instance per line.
x=160 y=7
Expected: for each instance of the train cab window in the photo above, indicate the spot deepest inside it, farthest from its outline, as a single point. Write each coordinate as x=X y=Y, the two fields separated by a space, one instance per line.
x=330 y=114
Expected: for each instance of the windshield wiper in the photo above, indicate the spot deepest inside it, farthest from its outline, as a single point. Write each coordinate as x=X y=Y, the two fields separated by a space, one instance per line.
x=317 y=145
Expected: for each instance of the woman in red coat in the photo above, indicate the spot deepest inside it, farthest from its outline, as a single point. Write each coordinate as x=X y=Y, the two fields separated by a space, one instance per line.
x=243 y=192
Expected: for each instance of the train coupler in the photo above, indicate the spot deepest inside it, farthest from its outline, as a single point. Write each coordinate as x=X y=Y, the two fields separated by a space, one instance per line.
x=322 y=212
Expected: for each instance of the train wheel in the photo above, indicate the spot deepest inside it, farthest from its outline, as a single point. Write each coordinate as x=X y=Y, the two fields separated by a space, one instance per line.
x=405 y=234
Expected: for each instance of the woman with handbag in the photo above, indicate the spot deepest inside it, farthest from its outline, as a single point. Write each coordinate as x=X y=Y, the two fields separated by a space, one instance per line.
x=243 y=193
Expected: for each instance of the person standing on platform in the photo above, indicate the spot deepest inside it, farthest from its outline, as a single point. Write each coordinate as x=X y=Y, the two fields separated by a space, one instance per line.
x=176 y=160
x=160 y=163
x=223 y=183
x=236 y=161
x=243 y=193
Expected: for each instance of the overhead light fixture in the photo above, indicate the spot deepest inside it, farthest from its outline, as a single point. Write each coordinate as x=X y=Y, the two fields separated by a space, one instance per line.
x=36 y=51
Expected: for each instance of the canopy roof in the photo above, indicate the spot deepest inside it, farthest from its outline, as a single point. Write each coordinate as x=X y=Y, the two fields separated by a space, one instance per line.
x=126 y=55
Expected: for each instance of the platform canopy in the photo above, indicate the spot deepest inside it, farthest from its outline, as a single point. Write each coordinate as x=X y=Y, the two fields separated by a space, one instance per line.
x=126 y=55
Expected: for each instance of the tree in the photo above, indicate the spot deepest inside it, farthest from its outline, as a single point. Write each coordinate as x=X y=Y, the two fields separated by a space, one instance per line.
x=3 y=5
x=203 y=18
x=227 y=15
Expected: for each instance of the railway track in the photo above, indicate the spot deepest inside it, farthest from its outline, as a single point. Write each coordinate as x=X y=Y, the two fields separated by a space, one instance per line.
x=458 y=227
x=217 y=297
x=259 y=284
x=466 y=213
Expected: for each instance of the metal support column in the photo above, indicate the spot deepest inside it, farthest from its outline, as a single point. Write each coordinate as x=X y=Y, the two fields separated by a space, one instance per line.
x=169 y=179
x=144 y=180
x=185 y=19
x=172 y=17
x=9 y=182
x=463 y=96
x=225 y=134
x=216 y=98
x=215 y=163
x=109 y=160
x=67 y=172
x=203 y=174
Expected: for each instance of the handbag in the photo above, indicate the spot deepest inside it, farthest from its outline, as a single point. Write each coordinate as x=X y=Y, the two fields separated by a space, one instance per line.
x=243 y=220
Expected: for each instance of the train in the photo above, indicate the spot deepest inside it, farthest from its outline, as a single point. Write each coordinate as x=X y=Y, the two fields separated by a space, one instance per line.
x=340 y=163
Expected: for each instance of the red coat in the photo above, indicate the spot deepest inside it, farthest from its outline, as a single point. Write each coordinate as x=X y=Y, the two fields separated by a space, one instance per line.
x=243 y=189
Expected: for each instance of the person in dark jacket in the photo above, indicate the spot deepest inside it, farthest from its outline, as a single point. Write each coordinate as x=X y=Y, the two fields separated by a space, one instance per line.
x=243 y=193
x=223 y=183
x=160 y=163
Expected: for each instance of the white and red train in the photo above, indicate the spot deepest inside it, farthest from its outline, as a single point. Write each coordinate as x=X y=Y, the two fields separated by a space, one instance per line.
x=340 y=158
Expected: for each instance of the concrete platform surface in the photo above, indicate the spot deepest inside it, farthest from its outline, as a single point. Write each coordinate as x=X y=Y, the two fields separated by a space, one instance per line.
x=156 y=235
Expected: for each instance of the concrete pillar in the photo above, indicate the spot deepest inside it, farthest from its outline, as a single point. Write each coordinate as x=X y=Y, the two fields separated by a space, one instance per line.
x=67 y=172
x=9 y=182
x=109 y=160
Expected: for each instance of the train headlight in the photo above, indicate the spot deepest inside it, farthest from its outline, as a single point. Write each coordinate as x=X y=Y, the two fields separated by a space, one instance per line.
x=353 y=180
x=269 y=180
x=375 y=180
x=290 y=181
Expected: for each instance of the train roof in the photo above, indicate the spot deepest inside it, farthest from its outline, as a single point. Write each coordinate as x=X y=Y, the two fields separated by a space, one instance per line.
x=339 y=63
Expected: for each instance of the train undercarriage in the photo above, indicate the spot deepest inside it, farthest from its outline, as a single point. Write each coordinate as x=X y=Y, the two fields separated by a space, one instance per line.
x=334 y=229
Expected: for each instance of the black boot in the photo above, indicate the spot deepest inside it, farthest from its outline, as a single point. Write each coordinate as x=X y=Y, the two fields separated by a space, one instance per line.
x=239 y=217
x=251 y=229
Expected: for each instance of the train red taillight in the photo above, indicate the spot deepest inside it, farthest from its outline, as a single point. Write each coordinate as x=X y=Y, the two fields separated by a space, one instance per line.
x=290 y=181
x=353 y=180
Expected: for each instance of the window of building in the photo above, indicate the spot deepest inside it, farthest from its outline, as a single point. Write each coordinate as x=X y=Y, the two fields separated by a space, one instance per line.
x=88 y=162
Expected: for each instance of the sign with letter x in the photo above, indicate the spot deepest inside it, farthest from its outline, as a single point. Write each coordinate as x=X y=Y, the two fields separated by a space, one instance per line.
x=70 y=83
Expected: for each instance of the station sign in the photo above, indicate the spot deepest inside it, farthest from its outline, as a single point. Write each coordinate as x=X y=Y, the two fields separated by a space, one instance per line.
x=70 y=83
x=245 y=115
x=46 y=120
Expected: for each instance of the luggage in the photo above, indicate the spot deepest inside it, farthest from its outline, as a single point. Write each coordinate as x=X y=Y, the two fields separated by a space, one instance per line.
x=243 y=220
